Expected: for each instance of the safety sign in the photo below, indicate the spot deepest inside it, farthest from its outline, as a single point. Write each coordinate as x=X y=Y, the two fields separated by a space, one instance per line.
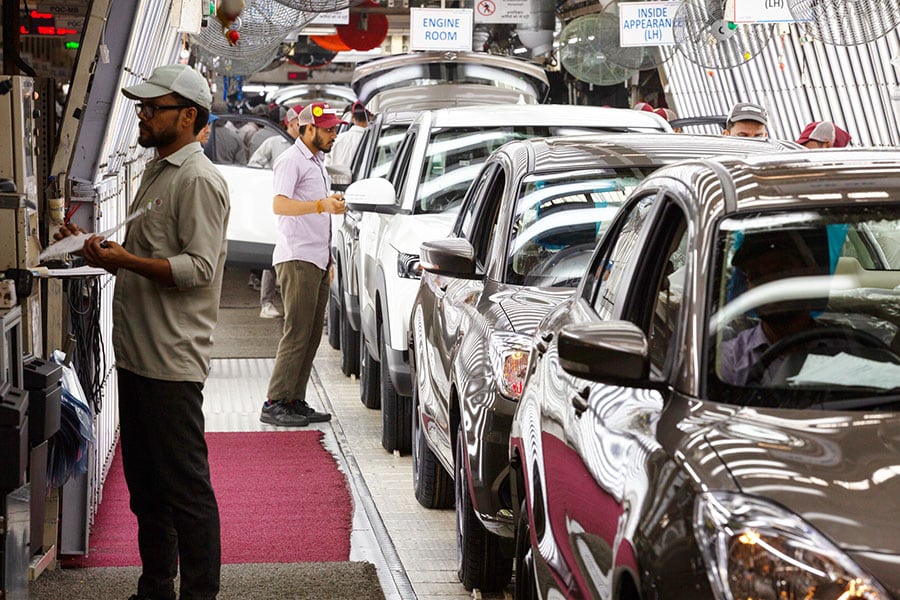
x=440 y=29
x=501 y=11
x=646 y=23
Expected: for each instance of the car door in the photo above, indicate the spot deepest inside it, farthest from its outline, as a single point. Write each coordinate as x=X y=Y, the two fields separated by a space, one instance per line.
x=371 y=230
x=611 y=445
x=456 y=300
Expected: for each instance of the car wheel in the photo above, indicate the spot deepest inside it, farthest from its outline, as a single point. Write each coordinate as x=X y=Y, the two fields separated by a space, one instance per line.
x=480 y=562
x=432 y=484
x=368 y=377
x=349 y=347
x=526 y=586
x=334 y=323
x=396 y=410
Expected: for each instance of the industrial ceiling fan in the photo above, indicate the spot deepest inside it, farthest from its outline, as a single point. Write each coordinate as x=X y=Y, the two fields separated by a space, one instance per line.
x=707 y=38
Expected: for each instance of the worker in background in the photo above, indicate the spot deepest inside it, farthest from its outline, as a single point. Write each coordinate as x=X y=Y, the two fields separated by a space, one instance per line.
x=203 y=136
x=669 y=115
x=823 y=134
x=747 y=120
x=264 y=158
x=168 y=280
x=344 y=149
x=229 y=149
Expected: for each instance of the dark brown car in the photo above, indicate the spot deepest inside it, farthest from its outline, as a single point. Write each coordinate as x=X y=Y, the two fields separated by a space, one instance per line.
x=714 y=413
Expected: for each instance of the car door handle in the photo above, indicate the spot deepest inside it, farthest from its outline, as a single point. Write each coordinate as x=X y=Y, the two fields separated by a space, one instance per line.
x=580 y=400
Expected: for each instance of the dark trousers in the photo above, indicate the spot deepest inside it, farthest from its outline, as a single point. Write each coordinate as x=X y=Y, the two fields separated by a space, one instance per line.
x=167 y=471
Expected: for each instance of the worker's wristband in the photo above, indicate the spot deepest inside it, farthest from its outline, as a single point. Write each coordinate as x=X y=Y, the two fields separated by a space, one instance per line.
x=319 y=206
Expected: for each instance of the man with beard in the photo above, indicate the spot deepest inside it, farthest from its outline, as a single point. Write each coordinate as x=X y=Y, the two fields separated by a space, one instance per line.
x=168 y=281
x=302 y=260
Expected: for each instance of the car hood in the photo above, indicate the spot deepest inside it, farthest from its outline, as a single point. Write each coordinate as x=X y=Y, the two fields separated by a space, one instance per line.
x=409 y=231
x=840 y=471
x=526 y=307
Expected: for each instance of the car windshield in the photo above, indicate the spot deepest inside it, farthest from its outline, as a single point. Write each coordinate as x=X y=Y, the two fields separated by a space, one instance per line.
x=558 y=221
x=806 y=308
x=455 y=155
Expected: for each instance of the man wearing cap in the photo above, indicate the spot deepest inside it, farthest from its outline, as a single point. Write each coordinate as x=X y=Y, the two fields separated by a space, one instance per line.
x=823 y=134
x=168 y=282
x=345 y=145
x=264 y=158
x=302 y=260
x=747 y=120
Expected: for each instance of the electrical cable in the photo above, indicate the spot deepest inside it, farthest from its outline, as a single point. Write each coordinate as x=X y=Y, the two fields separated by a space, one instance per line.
x=89 y=363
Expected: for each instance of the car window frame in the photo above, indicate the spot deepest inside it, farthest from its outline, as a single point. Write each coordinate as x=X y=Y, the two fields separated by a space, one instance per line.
x=398 y=175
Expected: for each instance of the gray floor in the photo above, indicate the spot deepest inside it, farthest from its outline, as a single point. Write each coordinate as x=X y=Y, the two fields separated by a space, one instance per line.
x=413 y=549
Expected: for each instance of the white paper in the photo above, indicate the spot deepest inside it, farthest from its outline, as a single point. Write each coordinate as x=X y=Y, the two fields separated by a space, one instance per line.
x=844 y=369
x=75 y=243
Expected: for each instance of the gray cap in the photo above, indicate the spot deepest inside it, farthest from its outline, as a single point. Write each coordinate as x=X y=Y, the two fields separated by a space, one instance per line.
x=747 y=111
x=180 y=79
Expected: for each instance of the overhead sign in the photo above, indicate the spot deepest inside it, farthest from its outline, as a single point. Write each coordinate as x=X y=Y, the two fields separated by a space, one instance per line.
x=440 y=29
x=502 y=11
x=646 y=23
x=338 y=17
x=760 y=11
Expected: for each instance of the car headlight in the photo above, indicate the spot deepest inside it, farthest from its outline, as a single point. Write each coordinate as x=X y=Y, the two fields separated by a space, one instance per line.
x=755 y=550
x=509 y=360
x=408 y=266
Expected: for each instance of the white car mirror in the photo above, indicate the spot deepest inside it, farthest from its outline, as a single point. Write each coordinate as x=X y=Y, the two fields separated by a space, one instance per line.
x=370 y=194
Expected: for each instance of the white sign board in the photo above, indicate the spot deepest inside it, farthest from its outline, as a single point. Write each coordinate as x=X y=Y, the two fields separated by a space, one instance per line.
x=338 y=17
x=440 y=29
x=761 y=11
x=646 y=23
x=502 y=11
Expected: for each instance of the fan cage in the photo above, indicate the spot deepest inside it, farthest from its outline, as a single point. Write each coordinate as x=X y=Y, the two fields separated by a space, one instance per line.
x=263 y=24
x=320 y=6
x=706 y=38
x=847 y=22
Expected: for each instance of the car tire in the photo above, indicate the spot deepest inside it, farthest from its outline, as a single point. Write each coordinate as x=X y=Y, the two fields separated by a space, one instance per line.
x=334 y=322
x=396 y=410
x=432 y=484
x=350 y=352
x=480 y=560
x=526 y=586
x=368 y=377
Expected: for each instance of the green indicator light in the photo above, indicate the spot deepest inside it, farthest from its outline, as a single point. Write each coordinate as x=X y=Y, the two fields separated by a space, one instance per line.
x=732 y=26
x=72 y=45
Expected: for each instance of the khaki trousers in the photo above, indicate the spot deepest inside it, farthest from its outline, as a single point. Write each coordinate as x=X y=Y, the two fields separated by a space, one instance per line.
x=304 y=291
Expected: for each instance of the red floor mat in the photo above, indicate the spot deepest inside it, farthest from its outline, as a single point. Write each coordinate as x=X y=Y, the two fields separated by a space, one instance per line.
x=281 y=500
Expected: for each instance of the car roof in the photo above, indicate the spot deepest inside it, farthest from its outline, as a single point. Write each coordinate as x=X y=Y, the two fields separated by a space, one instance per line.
x=790 y=180
x=543 y=115
x=445 y=95
x=628 y=149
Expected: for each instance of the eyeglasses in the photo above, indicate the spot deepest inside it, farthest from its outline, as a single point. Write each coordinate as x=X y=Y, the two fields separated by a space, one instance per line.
x=148 y=111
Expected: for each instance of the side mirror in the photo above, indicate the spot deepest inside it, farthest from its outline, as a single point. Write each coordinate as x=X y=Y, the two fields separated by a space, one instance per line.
x=374 y=194
x=451 y=257
x=612 y=352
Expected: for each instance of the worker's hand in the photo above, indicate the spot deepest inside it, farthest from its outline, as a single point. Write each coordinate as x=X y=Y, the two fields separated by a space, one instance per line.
x=334 y=204
x=99 y=252
x=66 y=230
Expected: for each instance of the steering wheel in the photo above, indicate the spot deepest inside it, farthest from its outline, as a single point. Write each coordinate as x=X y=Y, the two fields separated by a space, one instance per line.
x=787 y=344
x=546 y=269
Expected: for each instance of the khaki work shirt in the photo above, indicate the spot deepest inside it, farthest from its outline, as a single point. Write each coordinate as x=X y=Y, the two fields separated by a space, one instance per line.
x=166 y=332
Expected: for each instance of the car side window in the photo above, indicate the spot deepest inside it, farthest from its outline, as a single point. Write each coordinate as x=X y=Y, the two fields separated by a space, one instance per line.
x=609 y=271
x=466 y=218
x=668 y=282
x=487 y=211
x=400 y=166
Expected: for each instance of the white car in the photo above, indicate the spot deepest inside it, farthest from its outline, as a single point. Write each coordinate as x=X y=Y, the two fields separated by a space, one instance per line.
x=436 y=162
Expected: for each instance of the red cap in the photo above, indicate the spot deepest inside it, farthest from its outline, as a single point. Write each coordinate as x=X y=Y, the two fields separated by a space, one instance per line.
x=292 y=114
x=320 y=114
x=666 y=113
x=643 y=106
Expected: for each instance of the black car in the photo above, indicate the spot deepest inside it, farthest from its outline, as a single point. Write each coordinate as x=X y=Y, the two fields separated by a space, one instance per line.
x=522 y=241
x=714 y=412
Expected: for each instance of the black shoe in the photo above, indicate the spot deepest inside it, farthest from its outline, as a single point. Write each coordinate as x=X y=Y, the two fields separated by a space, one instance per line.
x=283 y=414
x=301 y=407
